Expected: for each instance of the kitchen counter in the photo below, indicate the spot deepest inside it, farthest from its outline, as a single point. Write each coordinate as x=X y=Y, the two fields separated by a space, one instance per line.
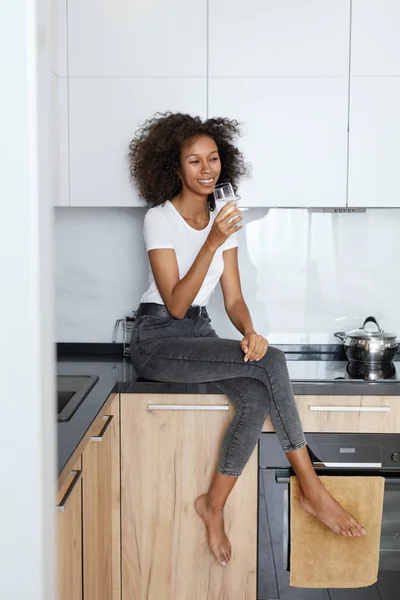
x=117 y=375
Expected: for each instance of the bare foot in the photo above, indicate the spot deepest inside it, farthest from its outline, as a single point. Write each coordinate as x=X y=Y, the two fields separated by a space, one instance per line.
x=214 y=521
x=325 y=508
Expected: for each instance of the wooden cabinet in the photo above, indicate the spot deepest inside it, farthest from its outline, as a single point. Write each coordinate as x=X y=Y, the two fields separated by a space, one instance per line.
x=279 y=38
x=131 y=38
x=347 y=414
x=295 y=136
x=69 y=526
x=169 y=447
x=101 y=510
x=132 y=512
x=89 y=529
x=104 y=114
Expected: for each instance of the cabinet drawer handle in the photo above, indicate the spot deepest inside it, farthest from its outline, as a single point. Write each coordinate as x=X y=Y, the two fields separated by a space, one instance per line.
x=185 y=407
x=349 y=465
x=77 y=476
x=99 y=438
x=351 y=408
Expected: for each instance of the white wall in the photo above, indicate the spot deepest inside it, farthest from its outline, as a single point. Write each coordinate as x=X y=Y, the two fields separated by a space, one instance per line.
x=305 y=274
x=27 y=367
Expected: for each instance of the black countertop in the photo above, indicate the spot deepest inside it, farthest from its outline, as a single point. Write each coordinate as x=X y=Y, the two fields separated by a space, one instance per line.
x=117 y=375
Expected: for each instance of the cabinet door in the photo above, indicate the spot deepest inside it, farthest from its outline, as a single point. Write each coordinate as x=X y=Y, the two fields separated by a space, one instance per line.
x=375 y=39
x=132 y=38
x=104 y=115
x=295 y=137
x=69 y=526
x=61 y=175
x=350 y=414
x=374 y=145
x=101 y=511
x=279 y=38
x=169 y=453
x=347 y=414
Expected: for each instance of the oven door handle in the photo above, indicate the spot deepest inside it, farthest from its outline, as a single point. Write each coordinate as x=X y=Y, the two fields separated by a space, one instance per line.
x=388 y=480
x=286 y=549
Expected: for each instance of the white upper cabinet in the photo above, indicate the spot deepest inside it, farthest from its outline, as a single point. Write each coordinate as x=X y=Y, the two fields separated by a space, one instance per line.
x=58 y=38
x=61 y=149
x=295 y=136
x=134 y=38
x=279 y=38
x=374 y=175
x=374 y=123
x=104 y=115
x=375 y=38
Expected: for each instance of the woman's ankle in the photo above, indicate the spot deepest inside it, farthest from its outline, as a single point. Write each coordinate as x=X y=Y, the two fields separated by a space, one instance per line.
x=215 y=504
x=311 y=487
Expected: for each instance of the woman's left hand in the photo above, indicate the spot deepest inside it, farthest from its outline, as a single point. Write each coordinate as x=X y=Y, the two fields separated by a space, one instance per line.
x=254 y=346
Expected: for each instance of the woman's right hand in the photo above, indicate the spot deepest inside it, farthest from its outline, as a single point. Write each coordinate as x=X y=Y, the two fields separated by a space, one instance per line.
x=221 y=229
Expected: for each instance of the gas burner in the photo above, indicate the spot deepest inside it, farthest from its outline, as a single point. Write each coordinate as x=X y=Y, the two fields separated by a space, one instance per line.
x=343 y=371
x=370 y=371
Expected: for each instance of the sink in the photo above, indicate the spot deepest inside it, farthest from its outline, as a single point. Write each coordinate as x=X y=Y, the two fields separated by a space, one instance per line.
x=71 y=391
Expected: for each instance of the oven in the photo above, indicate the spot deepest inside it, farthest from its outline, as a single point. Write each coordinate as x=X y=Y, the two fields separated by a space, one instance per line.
x=332 y=454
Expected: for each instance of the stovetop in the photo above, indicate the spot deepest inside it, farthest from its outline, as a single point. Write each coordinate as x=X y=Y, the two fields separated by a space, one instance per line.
x=334 y=370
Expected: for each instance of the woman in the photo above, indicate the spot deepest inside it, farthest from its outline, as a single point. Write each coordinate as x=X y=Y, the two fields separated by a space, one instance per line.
x=175 y=161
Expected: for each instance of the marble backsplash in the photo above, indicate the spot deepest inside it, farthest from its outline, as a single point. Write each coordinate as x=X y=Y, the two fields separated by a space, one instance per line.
x=305 y=274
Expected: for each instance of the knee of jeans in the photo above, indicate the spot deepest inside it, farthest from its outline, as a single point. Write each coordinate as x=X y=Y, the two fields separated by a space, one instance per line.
x=275 y=355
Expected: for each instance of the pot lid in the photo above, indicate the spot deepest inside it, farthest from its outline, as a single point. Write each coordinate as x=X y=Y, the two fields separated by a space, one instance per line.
x=366 y=333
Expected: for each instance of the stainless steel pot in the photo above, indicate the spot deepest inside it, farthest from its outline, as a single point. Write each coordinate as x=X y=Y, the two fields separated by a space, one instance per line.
x=369 y=346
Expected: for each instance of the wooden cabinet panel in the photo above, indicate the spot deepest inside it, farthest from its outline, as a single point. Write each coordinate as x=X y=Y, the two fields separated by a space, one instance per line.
x=130 y=38
x=169 y=453
x=101 y=510
x=279 y=38
x=116 y=500
x=295 y=137
x=374 y=143
x=347 y=414
x=104 y=115
x=375 y=39
x=69 y=528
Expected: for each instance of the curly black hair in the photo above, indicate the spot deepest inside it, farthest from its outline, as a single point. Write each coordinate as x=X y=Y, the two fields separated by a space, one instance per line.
x=154 y=154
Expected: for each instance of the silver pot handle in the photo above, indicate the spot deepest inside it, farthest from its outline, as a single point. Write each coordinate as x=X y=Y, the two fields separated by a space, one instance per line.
x=372 y=320
x=340 y=334
x=116 y=328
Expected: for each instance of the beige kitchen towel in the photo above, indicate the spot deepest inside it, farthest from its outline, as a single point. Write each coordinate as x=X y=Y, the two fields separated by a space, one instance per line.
x=320 y=558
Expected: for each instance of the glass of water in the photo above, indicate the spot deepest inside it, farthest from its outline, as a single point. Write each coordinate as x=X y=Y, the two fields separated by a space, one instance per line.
x=224 y=192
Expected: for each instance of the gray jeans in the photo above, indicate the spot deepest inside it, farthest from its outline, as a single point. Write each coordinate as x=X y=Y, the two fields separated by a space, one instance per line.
x=189 y=351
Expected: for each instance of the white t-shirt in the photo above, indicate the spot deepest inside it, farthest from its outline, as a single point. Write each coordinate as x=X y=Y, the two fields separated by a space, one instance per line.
x=164 y=227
